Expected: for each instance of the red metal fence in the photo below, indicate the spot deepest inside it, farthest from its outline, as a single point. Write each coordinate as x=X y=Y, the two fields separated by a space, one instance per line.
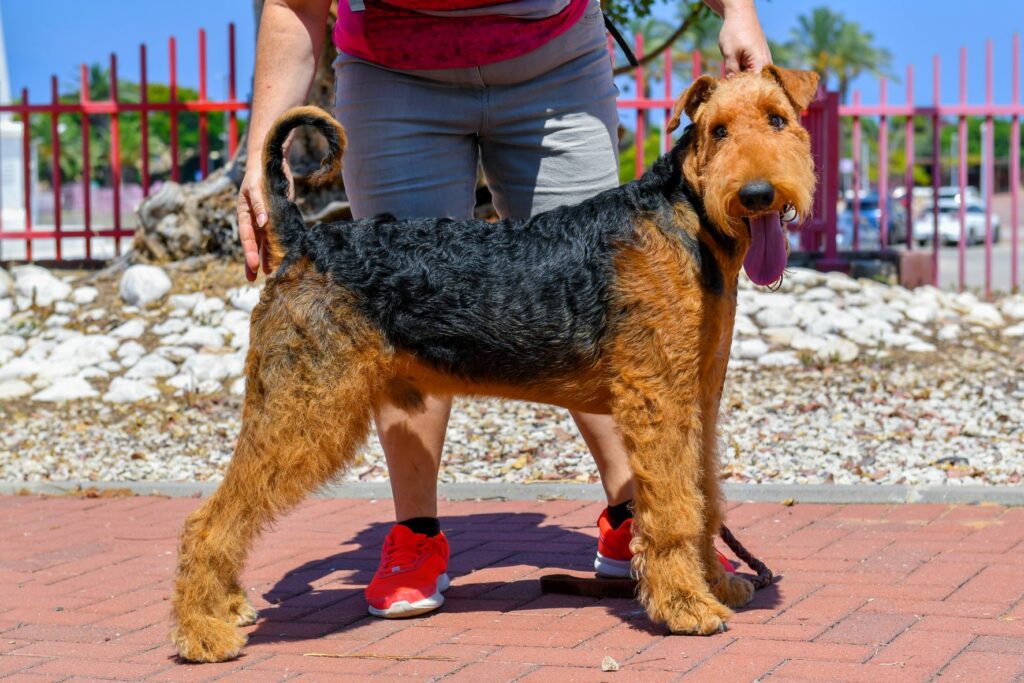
x=114 y=107
x=823 y=120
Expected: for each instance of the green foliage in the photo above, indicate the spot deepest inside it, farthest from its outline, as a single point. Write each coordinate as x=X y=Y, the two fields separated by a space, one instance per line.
x=70 y=134
x=627 y=157
x=834 y=47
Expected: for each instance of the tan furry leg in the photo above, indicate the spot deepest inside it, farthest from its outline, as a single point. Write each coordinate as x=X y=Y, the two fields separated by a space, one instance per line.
x=731 y=590
x=311 y=383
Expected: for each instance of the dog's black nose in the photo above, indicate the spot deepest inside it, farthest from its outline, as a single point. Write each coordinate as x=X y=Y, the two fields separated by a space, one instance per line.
x=757 y=195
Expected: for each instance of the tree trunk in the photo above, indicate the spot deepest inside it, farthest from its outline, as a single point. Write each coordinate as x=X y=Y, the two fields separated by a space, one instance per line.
x=191 y=219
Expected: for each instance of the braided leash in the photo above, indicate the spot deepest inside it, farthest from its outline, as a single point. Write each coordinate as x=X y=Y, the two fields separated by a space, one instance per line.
x=764 y=574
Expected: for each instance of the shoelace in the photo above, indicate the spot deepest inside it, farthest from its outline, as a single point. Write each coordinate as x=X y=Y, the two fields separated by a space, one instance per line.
x=399 y=557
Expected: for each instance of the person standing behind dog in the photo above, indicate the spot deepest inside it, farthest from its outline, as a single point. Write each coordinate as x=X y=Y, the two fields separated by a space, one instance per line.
x=426 y=91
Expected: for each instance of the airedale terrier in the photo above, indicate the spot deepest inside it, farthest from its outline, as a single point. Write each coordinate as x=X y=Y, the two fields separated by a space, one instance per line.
x=622 y=304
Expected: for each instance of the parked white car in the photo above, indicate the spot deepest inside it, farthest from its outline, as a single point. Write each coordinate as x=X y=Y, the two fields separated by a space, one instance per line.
x=949 y=223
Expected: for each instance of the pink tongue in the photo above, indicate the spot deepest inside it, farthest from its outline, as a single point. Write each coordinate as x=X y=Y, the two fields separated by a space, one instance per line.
x=766 y=258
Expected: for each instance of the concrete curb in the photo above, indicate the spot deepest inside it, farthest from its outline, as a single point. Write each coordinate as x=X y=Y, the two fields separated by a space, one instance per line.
x=762 y=493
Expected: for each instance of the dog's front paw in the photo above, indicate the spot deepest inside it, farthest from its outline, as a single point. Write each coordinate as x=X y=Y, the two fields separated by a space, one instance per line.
x=732 y=590
x=207 y=639
x=699 y=617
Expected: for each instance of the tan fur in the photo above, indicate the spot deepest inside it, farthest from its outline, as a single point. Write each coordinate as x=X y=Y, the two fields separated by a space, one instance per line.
x=317 y=367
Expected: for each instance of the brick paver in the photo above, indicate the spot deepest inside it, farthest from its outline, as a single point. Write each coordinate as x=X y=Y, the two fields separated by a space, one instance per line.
x=867 y=593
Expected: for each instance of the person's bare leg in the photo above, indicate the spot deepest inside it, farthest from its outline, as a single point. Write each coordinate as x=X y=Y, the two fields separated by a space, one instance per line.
x=412 y=443
x=605 y=445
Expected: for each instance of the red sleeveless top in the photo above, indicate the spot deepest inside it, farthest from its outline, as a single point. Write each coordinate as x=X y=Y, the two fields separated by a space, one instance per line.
x=399 y=35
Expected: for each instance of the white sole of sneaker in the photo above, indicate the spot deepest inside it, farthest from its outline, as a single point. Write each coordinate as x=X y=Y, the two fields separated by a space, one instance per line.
x=403 y=608
x=612 y=569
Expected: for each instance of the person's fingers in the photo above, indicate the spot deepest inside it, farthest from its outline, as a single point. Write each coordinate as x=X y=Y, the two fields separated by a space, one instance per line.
x=732 y=64
x=247 y=236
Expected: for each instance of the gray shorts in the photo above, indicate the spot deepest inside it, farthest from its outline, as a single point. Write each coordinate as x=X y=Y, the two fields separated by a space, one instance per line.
x=542 y=126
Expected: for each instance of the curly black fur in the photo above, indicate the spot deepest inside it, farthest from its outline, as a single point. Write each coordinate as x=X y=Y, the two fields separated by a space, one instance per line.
x=507 y=301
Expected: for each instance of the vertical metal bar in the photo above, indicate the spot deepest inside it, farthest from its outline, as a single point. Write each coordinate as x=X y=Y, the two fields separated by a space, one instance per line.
x=988 y=168
x=856 y=173
x=55 y=164
x=883 y=170
x=641 y=98
x=86 y=163
x=26 y=167
x=962 y=173
x=204 y=141
x=1015 y=170
x=173 y=111
x=665 y=136
x=908 y=171
x=115 y=154
x=936 y=169
x=232 y=115
x=695 y=64
x=144 y=118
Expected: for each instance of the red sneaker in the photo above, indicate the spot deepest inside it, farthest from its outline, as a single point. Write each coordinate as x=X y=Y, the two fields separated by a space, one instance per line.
x=613 y=553
x=412 y=575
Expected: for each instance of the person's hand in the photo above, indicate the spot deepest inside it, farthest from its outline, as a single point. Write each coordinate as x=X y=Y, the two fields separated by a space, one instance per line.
x=741 y=39
x=251 y=209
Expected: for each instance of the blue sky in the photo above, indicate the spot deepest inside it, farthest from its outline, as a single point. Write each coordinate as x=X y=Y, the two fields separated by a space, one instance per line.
x=67 y=32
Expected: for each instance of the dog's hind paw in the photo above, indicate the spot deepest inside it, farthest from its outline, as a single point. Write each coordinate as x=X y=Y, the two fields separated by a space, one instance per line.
x=700 y=618
x=241 y=610
x=733 y=591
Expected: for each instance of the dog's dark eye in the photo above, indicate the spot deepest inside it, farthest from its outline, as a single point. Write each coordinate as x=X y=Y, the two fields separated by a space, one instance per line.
x=719 y=132
x=776 y=121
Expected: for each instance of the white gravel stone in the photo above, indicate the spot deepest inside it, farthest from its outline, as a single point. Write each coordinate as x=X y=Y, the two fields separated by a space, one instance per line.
x=39 y=282
x=171 y=326
x=743 y=326
x=130 y=391
x=151 y=366
x=176 y=354
x=840 y=282
x=6 y=309
x=986 y=315
x=205 y=366
x=66 y=389
x=12 y=343
x=948 y=332
x=749 y=348
x=841 y=350
x=244 y=298
x=1014 y=331
x=922 y=314
x=64 y=307
x=777 y=359
x=130 y=348
x=142 y=285
x=14 y=388
x=133 y=329
x=186 y=302
x=780 y=336
x=238 y=387
x=1013 y=307
x=819 y=294
x=189 y=383
x=92 y=372
x=113 y=365
x=920 y=347
x=775 y=316
x=20 y=368
x=208 y=307
x=84 y=295
x=6 y=284
x=202 y=336
x=807 y=342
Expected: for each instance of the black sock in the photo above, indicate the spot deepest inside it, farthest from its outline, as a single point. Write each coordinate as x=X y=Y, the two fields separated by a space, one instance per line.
x=617 y=514
x=430 y=526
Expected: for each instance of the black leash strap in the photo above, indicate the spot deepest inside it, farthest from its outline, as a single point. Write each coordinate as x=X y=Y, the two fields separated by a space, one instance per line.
x=620 y=40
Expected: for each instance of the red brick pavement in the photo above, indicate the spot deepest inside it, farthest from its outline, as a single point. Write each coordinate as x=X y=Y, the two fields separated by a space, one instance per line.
x=873 y=593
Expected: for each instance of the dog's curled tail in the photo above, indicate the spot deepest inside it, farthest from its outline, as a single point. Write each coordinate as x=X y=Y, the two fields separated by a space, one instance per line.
x=286 y=227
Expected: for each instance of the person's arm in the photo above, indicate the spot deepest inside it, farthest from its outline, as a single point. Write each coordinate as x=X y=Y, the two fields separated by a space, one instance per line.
x=289 y=42
x=741 y=39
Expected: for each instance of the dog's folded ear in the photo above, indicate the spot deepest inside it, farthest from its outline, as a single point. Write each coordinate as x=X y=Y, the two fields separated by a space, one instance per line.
x=800 y=86
x=691 y=100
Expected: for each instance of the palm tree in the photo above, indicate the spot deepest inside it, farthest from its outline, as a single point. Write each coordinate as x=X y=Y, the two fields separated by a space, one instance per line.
x=829 y=44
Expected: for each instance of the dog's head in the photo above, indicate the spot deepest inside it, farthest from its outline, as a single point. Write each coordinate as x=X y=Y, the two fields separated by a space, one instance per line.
x=749 y=159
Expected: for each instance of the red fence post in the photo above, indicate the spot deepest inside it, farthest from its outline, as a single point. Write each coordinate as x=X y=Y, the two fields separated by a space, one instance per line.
x=204 y=138
x=83 y=97
x=1015 y=168
x=55 y=163
x=173 y=109
x=115 y=154
x=988 y=168
x=962 y=169
x=883 y=171
x=26 y=165
x=666 y=137
x=936 y=169
x=144 y=119
x=232 y=115
x=856 y=174
x=641 y=112
x=908 y=171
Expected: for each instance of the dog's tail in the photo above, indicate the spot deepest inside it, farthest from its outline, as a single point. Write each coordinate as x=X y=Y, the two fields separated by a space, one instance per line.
x=286 y=228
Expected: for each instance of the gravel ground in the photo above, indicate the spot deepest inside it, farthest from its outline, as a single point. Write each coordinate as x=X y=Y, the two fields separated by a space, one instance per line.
x=935 y=396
